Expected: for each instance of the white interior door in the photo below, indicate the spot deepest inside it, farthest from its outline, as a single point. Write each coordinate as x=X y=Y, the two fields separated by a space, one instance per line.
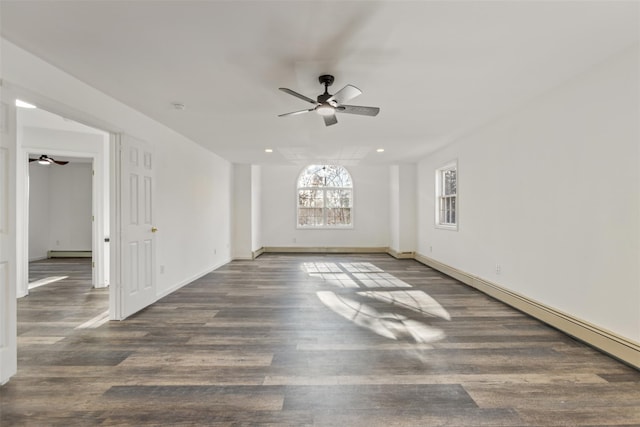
x=137 y=241
x=8 y=348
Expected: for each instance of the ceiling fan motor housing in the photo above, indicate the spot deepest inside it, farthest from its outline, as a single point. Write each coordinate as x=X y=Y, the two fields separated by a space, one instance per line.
x=326 y=80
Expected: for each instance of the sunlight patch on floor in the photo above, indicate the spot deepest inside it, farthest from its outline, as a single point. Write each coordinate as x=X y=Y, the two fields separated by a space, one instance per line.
x=354 y=306
x=414 y=300
x=387 y=324
x=46 y=281
x=96 y=322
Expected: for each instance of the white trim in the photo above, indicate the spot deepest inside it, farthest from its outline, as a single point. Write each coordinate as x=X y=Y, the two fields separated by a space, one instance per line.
x=401 y=255
x=325 y=249
x=255 y=254
x=69 y=254
x=115 y=290
x=606 y=341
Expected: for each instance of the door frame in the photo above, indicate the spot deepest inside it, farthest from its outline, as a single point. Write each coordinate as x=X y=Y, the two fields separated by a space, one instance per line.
x=100 y=225
x=16 y=181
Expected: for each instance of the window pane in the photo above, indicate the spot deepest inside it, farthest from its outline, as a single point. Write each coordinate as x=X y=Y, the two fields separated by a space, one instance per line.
x=320 y=207
x=449 y=182
x=453 y=210
x=312 y=176
x=310 y=217
x=337 y=176
x=310 y=198
x=338 y=216
x=338 y=198
x=324 y=176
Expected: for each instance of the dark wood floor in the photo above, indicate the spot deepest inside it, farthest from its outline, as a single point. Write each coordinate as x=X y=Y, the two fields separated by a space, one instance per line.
x=300 y=340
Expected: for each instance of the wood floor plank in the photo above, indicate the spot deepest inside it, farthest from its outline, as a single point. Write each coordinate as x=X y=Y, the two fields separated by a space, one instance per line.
x=304 y=340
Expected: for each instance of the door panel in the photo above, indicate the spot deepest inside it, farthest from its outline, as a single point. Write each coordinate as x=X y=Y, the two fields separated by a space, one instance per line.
x=138 y=237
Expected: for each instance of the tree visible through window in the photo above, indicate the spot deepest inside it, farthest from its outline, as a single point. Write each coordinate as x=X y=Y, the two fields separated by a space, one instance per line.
x=325 y=197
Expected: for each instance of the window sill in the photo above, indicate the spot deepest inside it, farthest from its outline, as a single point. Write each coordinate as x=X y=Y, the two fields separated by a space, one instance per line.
x=447 y=227
x=336 y=227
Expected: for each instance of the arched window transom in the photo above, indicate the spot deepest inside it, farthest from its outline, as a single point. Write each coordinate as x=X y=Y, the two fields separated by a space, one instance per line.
x=325 y=197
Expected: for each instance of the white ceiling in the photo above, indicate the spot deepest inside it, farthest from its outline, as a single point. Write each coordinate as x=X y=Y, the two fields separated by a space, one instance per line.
x=437 y=69
x=37 y=118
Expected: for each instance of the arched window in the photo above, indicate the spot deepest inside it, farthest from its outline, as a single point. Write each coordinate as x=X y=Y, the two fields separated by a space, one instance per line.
x=325 y=197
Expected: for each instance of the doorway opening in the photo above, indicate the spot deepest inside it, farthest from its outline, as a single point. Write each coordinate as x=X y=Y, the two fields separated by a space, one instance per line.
x=65 y=172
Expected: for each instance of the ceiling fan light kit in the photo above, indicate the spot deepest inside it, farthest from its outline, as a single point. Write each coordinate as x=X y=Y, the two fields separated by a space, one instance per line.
x=325 y=110
x=327 y=105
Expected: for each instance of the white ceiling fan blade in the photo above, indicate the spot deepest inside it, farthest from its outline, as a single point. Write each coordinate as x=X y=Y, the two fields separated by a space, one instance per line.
x=345 y=94
x=357 y=109
x=330 y=120
x=295 y=113
x=298 y=95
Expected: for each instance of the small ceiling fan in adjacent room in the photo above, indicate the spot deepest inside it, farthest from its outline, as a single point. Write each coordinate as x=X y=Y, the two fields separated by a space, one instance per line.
x=46 y=160
x=328 y=105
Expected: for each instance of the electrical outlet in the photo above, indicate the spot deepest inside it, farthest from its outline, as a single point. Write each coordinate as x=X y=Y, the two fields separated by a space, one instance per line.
x=430 y=248
x=498 y=268
x=294 y=240
x=215 y=251
x=162 y=269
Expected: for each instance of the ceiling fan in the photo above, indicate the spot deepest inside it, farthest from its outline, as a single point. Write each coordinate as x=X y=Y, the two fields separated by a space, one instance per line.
x=327 y=105
x=46 y=160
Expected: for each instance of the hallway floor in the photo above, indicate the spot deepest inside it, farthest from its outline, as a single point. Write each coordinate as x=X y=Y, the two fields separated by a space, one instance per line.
x=295 y=340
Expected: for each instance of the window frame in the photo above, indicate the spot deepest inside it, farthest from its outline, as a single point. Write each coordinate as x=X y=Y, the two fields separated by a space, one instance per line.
x=440 y=197
x=324 y=191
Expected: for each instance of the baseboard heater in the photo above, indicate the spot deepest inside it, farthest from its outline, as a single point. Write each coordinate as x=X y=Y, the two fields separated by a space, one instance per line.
x=69 y=254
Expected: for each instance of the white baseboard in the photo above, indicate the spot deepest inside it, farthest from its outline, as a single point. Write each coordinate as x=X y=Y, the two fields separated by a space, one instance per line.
x=69 y=254
x=255 y=254
x=401 y=255
x=325 y=249
x=607 y=341
x=37 y=258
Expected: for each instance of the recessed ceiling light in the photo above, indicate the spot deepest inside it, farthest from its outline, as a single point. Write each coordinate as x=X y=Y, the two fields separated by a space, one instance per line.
x=23 y=104
x=179 y=106
x=268 y=150
x=380 y=150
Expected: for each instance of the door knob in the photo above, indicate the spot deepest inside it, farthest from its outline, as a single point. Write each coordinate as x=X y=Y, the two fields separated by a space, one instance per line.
x=153 y=229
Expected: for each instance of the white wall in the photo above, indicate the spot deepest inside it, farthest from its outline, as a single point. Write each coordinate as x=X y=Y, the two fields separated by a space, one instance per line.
x=193 y=195
x=551 y=193
x=70 y=207
x=402 y=205
x=242 y=212
x=370 y=213
x=394 y=208
x=256 y=208
x=38 y=211
x=193 y=185
x=59 y=208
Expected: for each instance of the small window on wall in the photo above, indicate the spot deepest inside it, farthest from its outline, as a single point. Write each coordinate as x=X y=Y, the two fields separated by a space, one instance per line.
x=447 y=197
x=325 y=197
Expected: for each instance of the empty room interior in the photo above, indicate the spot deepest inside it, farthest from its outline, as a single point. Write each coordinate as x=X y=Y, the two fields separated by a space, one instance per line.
x=341 y=213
